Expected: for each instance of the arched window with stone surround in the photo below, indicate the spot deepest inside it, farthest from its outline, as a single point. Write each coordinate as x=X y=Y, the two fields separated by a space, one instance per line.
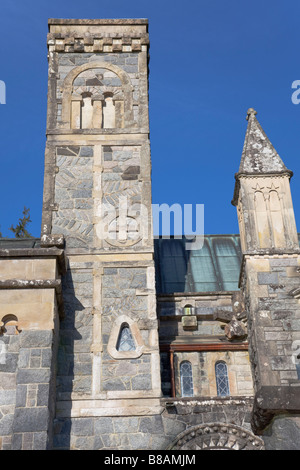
x=106 y=93
x=186 y=379
x=222 y=379
x=125 y=340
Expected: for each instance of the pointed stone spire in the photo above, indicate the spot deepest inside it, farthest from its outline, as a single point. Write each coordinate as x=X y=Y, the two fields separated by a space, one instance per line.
x=259 y=155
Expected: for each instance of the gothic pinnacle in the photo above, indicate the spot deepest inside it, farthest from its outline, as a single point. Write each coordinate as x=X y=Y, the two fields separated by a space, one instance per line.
x=251 y=111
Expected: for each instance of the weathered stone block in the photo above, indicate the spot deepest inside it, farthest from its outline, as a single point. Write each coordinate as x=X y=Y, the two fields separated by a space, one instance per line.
x=189 y=322
x=36 y=339
x=151 y=425
x=283 y=434
x=30 y=420
x=6 y=424
x=31 y=376
x=83 y=426
x=142 y=382
x=103 y=425
x=126 y=425
x=43 y=395
x=40 y=440
x=267 y=278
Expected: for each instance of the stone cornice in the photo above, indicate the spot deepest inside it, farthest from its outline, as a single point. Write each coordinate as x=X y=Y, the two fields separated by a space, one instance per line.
x=240 y=175
x=97 y=42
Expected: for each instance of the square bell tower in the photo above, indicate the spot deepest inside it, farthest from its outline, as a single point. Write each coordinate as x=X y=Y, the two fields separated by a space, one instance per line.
x=97 y=204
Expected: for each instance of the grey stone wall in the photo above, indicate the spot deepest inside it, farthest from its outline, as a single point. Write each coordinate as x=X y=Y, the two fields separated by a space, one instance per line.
x=27 y=394
x=73 y=195
x=283 y=433
x=126 y=61
x=74 y=370
x=119 y=298
x=149 y=432
x=274 y=322
x=9 y=355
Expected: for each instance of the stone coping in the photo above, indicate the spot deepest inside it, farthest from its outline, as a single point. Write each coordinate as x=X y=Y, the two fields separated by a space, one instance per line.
x=36 y=253
x=101 y=21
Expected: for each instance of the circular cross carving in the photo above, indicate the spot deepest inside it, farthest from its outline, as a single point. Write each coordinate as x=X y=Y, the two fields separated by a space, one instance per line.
x=217 y=436
x=131 y=231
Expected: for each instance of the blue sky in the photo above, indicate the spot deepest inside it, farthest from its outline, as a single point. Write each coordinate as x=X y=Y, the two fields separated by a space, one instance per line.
x=209 y=62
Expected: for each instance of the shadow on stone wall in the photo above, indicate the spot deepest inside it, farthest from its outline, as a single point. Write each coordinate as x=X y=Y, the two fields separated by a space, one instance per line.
x=67 y=370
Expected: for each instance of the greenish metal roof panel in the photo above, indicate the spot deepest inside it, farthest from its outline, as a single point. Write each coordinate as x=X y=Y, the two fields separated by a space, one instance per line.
x=213 y=268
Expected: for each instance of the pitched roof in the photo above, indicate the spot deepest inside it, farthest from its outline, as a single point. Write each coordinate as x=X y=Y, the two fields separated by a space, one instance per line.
x=213 y=268
x=259 y=156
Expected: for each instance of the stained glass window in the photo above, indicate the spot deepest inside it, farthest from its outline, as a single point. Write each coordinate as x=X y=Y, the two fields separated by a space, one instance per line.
x=125 y=340
x=186 y=379
x=222 y=379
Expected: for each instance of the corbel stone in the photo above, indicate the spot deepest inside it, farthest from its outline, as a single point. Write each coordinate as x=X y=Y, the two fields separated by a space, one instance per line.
x=271 y=401
x=235 y=330
x=56 y=240
x=189 y=322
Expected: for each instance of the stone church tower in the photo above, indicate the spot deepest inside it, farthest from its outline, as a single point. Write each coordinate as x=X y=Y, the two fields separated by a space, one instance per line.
x=98 y=200
x=114 y=341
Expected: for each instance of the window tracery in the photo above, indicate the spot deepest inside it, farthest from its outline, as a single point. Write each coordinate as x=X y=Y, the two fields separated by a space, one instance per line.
x=186 y=379
x=125 y=340
x=222 y=379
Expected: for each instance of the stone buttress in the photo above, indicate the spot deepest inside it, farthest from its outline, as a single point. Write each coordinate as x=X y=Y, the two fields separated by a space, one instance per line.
x=30 y=309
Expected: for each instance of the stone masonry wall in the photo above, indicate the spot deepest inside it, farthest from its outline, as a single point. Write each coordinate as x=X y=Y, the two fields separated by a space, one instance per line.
x=26 y=397
x=74 y=372
x=150 y=432
x=119 y=298
x=10 y=346
x=127 y=61
x=73 y=194
x=275 y=318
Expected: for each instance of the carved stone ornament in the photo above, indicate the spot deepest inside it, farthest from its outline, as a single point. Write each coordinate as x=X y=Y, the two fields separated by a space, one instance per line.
x=235 y=329
x=217 y=436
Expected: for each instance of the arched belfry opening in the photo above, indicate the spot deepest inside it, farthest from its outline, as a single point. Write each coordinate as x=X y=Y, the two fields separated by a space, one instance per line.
x=97 y=95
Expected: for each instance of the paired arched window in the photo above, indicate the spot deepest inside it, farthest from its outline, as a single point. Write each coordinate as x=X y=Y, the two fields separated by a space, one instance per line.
x=186 y=379
x=96 y=96
x=222 y=379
